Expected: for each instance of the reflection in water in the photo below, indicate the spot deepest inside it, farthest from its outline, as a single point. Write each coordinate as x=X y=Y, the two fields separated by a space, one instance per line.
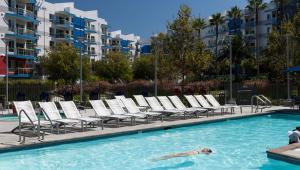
x=176 y=166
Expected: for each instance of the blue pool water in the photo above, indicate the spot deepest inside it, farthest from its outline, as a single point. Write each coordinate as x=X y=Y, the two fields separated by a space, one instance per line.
x=237 y=145
x=9 y=118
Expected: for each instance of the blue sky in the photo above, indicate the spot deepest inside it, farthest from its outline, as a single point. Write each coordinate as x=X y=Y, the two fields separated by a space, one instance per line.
x=146 y=17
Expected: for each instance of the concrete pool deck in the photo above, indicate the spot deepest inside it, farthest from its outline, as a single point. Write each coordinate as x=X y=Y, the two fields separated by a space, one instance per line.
x=9 y=141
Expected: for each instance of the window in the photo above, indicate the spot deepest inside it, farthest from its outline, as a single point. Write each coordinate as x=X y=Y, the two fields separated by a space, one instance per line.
x=51 y=17
x=51 y=31
x=11 y=46
x=268 y=17
x=51 y=43
x=268 y=29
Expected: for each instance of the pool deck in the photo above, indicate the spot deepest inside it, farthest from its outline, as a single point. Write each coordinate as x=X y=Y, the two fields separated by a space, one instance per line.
x=9 y=141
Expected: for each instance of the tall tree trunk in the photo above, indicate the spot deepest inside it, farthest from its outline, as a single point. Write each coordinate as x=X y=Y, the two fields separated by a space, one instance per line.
x=217 y=36
x=257 y=39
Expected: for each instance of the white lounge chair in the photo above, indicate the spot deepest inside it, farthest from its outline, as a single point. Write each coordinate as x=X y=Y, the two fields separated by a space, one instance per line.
x=118 y=110
x=120 y=100
x=29 y=119
x=70 y=110
x=192 y=101
x=205 y=103
x=133 y=109
x=179 y=105
x=167 y=104
x=156 y=107
x=51 y=112
x=103 y=113
x=142 y=103
x=215 y=103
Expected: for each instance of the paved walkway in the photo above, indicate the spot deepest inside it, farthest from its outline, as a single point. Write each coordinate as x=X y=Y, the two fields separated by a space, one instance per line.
x=10 y=141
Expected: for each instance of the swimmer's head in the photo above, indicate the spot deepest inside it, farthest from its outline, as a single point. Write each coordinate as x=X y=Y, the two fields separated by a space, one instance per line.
x=206 y=150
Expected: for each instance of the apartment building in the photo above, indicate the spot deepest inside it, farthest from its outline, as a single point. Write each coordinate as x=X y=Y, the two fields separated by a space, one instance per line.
x=19 y=31
x=128 y=44
x=31 y=27
x=268 y=20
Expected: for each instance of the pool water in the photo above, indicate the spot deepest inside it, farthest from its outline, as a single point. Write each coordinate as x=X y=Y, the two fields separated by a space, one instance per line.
x=236 y=144
x=9 y=118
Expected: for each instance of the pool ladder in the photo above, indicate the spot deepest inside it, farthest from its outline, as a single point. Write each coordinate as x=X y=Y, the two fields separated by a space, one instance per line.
x=262 y=102
x=35 y=128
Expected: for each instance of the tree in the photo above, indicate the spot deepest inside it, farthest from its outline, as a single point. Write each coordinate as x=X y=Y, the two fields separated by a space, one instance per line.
x=255 y=6
x=235 y=22
x=240 y=51
x=115 y=67
x=198 y=24
x=217 y=20
x=184 y=50
x=63 y=63
x=275 y=55
x=281 y=12
x=143 y=67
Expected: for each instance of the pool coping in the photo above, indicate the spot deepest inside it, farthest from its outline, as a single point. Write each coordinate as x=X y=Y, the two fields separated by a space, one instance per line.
x=95 y=135
x=283 y=154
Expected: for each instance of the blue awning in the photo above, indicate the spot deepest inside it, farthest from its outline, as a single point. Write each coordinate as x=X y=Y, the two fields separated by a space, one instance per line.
x=294 y=69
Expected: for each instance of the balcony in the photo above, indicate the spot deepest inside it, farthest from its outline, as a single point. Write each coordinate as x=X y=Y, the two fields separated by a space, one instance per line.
x=64 y=24
x=19 y=72
x=64 y=37
x=89 y=29
x=249 y=24
x=28 y=1
x=22 y=14
x=91 y=53
x=90 y=42
x=21 y=53
x=21 y=33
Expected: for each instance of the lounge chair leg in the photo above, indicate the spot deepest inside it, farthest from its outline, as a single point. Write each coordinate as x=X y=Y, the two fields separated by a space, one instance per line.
x=20 y=133
x=65 y=128
x=118 y=123
x=57 y=128
x=82 y=128
x=102 y=126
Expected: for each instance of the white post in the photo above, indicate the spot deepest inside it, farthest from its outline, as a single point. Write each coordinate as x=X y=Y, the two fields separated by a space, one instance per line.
x=81 y=91
x=6 y=55
x=155 y=74
x=230 y=69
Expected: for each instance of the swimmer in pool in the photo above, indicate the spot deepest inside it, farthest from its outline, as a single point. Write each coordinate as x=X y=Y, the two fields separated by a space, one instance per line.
x=185 y=154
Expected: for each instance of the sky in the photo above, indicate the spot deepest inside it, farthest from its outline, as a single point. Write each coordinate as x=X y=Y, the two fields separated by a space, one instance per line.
x=147 y=17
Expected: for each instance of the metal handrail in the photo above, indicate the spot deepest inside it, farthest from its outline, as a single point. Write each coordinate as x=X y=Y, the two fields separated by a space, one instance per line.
x=257 y=102
x=34 y=127
x=20 y=122
x=22 y=12
x=267 y=101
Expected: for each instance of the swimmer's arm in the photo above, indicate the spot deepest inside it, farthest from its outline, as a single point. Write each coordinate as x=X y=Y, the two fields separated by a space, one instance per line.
x=185 y=154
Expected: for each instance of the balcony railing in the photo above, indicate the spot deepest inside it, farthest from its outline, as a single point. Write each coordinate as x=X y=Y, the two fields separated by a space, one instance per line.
x=90 y=29
x=62 y=22
x=91 y=53
x=19 y=71
x=25 y=52
x=63 y=36
x=22 y=12
x=90 y=41
x=29 y=33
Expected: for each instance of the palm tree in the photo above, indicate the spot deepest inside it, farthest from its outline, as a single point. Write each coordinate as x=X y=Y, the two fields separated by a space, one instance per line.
x=255 y=6
x=198 y=24
x=281 y=16
x=235 y=15
x=217 y=20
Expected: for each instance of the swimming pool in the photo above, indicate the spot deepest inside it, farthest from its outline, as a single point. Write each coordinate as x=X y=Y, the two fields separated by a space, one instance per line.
x=9 y=118
x=237 y=144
